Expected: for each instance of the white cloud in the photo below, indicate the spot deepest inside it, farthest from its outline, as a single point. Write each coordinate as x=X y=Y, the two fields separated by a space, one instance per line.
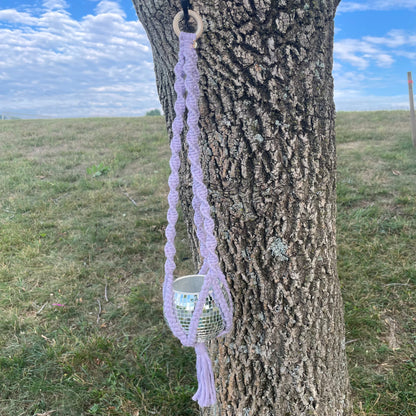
x=109 y=7
x=379 y=50
x=13 y=16
x=393 y=39
x=349 y=81
x=408 y=55
x=361 y=53
x=113 y=88
x=58 y=66
x=353 y=6
x=55 y=4
x=371 y=64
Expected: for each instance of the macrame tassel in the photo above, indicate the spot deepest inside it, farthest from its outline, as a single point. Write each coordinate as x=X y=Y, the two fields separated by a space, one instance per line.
x=205 y=395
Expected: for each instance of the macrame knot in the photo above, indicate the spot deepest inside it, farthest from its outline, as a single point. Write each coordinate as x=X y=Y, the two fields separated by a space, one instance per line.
x=202 y=310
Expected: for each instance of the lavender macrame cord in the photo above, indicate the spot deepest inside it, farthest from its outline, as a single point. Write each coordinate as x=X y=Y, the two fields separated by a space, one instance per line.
x=186 y=84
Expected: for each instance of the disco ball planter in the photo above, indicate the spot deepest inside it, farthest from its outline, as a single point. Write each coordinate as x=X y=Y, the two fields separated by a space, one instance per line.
x=186 y=294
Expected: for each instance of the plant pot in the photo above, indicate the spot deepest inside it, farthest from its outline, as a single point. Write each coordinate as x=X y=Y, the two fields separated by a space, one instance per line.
x=186 y=294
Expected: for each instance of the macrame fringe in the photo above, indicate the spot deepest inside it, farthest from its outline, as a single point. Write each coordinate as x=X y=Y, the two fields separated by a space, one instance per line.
x=205 y=395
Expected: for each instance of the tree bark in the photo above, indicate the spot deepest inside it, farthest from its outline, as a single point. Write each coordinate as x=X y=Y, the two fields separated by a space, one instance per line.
x=268 y=144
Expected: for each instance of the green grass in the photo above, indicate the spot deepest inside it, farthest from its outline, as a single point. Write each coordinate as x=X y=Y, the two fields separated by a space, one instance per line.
x=376 y=258
x=68 y=237
x=82 y=215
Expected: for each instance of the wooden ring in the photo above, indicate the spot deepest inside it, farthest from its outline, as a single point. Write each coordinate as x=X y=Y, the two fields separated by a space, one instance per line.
x=197 y=18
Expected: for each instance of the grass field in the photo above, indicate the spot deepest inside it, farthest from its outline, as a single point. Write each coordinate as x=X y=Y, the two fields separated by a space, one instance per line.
x=377 y=258
x=82 y=214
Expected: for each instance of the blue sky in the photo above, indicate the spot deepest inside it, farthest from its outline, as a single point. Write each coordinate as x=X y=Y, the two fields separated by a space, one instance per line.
x=375 y=46
x=66 y=58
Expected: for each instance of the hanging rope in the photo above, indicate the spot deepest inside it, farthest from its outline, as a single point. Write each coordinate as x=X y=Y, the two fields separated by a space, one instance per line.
x=214 y=284
x=186 y=5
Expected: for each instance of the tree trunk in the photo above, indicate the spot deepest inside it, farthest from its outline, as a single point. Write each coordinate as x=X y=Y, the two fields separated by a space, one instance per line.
x=268 y=144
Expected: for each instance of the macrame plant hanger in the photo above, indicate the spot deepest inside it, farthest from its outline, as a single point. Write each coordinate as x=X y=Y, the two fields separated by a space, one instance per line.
x=198 y=307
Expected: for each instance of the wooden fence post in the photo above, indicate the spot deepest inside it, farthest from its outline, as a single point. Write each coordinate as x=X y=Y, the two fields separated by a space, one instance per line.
x=412 y=107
